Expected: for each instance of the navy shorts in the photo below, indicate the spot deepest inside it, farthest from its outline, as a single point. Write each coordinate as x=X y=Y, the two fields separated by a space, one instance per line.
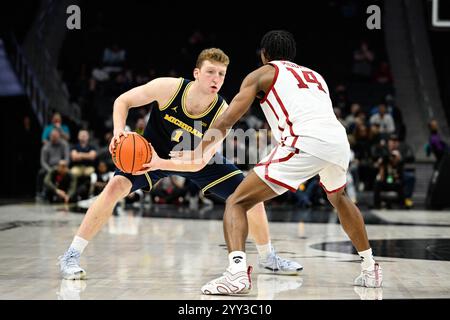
x=218 y=179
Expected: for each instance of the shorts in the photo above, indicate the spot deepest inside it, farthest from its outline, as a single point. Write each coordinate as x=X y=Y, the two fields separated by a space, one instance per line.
x=286 y=168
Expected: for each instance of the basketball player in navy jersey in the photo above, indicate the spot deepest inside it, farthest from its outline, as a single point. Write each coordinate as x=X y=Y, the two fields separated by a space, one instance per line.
x=185 y=109
x=298 y=108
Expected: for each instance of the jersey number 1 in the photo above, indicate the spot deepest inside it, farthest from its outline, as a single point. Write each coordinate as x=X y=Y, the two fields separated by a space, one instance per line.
x=309 y=77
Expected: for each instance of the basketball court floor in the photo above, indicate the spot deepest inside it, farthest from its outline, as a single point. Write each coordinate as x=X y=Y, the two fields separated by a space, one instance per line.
x=141 y=255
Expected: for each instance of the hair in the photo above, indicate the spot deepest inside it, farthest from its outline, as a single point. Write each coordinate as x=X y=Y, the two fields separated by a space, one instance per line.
x=279 y=45
x=212 y=54
x=63 y=162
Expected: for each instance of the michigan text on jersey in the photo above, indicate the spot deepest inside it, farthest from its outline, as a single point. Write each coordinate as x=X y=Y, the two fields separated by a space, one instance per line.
x=183 y=125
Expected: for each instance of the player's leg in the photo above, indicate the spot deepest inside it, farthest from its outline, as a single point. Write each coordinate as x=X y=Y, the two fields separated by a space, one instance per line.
x=283 y=169
x=222 y=180
x=236 y=280
x=258 y=226
x=250 y=192
x=100 y=211
x=351 y=219
x=333 y=181
x=96 y=216
x=268 y=260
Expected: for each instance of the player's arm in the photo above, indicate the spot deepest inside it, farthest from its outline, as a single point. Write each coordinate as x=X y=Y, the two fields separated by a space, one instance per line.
x=258 y=80
x=154 y=90
x=238 y=107
x=175 y=164
x=156 y=163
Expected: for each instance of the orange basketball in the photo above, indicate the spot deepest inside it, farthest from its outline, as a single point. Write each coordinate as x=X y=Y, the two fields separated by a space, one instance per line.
x=131 y=153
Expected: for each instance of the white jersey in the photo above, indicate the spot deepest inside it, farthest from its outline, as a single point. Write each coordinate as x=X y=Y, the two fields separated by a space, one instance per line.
x=299 y=111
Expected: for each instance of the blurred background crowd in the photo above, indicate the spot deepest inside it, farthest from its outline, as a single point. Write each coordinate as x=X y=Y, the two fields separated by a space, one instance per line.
x=63 y=156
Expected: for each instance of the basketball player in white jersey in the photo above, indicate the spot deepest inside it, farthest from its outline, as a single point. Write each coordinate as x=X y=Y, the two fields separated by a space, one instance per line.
x=311 y=141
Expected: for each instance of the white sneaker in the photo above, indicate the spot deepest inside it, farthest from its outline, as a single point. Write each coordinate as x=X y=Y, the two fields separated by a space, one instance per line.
x=69 y=265
x=370 y=279
x=274 y=264
x=230 y=283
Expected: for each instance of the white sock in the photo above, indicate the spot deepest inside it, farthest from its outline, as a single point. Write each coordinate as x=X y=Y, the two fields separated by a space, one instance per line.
x=264 y=250
x=237 y=261
x=79 y=244
x=367 y=261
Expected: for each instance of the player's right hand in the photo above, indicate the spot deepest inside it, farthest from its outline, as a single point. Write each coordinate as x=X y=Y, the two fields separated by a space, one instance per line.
x=116 y=138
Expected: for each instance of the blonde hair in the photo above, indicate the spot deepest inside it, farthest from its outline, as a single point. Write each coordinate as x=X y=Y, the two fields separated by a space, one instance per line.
x=212 y=54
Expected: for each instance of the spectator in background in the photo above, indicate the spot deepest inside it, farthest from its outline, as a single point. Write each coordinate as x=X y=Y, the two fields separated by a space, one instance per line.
x=103 y=153
x=100 y=178
x=340 y=98
x=239 y=152
x=375 y=135
x=338 y=114
x=390 y=172
x=114 y=56
x=60 y=185
x=83 y=156
x=362 y=168
x=382 y=73
x=252 y=121
x=436 y=145
x=408 y=171
x=308 y=193
x=140 y=126
x=396 y=114
x=170 y=190
x=56 y=124
x=384 y=120
x=51 y=153
x=350 y=119
x=363 y=59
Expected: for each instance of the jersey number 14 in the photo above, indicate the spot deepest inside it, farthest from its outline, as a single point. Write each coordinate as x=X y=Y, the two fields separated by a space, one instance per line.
x=309 y=77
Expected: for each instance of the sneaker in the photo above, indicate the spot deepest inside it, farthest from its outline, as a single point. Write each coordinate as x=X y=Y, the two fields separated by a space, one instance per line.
x=69 y=265
x=275 y=264
x=230 y=283
x=370 y=279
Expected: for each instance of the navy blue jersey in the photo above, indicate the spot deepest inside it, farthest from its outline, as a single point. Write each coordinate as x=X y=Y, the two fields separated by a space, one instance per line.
x=171 y=124
x=167 y=127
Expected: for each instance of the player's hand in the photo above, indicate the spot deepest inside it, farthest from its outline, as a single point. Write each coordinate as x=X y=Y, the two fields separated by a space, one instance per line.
x=116 y=138
x=156 y=163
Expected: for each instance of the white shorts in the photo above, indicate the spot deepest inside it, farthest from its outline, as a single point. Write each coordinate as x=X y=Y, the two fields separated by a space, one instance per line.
x=286 y=168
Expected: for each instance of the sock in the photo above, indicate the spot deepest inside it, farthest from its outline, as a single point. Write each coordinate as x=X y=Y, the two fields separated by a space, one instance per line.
x=79 y=244
x=264 y=250
x=237 y=261
x=367 y=261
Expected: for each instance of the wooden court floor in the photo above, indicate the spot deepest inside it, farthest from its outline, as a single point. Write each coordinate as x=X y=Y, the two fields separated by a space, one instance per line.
x=138 y=256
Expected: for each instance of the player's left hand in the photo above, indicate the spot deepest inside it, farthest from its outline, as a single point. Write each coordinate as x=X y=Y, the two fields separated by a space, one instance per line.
x=156 y=163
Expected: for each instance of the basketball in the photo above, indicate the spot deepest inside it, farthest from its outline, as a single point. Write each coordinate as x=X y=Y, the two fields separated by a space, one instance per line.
x=131 y=153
